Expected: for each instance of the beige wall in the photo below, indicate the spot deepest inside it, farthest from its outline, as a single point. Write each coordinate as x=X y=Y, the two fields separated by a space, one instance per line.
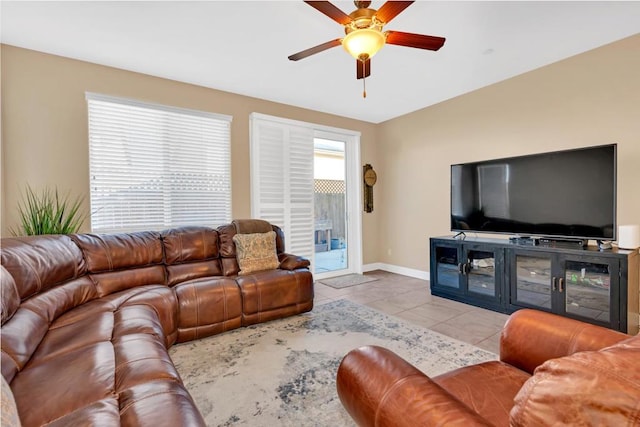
x=44 y=125
x=589 y=99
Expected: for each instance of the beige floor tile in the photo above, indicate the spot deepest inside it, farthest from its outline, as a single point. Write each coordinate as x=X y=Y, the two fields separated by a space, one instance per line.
x=435 y=312
x=455 y=305
x=462 y=334
x=491 y=344
x=411 y=299
x=328 y=291
x=471 y=323
x=362 y=298
x=489 y=317
x=416 y=320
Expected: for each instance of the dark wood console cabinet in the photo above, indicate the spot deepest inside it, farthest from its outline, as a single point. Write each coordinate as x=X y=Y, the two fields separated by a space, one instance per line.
x=599 y=287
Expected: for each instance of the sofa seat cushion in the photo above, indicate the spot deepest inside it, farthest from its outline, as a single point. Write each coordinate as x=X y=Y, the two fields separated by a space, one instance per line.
x=159 y=403
x=207 y=306
x=274 y=294
x=158 y=298
x=487 y=388
x=587 y=388
x=76 y=378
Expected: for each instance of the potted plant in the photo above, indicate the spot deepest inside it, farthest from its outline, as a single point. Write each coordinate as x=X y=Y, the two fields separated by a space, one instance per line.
x=47 y=212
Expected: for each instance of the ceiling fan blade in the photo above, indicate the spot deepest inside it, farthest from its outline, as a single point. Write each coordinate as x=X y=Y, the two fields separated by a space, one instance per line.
x=414 y=40
x=363 y=69
x=391 y=9
x=331 y=11
x=315 y=49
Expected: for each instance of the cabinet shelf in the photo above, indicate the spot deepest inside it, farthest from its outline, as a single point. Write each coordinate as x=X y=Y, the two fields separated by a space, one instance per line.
x=600 y=287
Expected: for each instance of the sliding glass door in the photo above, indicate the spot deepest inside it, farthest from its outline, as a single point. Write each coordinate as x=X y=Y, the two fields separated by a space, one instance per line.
x=305 y=179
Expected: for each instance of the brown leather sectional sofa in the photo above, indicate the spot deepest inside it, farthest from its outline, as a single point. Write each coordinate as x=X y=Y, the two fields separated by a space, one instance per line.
x=552 y=371
x=87 y=319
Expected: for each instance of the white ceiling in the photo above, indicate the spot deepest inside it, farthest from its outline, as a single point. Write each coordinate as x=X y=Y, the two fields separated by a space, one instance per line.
x=242 y=46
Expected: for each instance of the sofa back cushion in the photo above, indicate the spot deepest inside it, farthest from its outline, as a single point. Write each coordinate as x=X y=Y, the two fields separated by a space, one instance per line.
x=586 y=388
x=121 y=261
x=191 y=253
x=38 y=263
x=228 y=249
x=251 y=226
x=526 y=351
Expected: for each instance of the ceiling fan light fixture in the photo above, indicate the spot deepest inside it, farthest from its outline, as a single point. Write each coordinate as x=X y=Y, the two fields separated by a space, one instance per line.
x=363 y=43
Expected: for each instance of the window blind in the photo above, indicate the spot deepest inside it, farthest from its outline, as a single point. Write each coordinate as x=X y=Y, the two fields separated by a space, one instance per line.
x=154 y=167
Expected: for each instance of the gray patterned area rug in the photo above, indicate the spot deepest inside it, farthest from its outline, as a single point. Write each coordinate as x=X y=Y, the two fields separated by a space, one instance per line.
x=282 y=373
x=347 y=280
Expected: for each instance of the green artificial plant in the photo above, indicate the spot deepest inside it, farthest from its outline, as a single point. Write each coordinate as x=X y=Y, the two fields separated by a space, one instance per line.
x=47 y=212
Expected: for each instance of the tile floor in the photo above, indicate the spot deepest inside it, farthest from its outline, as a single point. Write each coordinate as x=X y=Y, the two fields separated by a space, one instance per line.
x=409 y=298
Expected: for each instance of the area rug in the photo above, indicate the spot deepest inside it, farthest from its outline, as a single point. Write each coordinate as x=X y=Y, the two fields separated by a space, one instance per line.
x=283 y=373
x=347 y=280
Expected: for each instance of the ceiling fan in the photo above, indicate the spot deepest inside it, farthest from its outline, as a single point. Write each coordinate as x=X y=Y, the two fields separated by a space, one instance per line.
x=363 y=33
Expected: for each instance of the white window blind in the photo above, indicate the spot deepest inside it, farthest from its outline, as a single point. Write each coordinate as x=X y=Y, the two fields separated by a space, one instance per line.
x=282 y=180
x=154 y=167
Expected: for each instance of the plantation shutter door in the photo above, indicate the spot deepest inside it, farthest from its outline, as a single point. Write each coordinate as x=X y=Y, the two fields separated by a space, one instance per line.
x=282 y=180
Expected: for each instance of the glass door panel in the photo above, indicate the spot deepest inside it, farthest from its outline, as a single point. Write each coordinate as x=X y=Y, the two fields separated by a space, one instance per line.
x=447 y=267
x=587 y=287
x=330 y=206
x=481 y=276
x=533 y=281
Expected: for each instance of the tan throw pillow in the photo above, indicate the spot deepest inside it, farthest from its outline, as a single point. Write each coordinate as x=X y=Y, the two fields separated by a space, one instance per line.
x=256 y=252
x=590 y=388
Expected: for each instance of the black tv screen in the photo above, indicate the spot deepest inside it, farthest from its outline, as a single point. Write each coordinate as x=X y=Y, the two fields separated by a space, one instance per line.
x=568 y=194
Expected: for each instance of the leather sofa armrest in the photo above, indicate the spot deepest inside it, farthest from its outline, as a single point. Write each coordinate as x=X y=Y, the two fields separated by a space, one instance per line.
x=531 y=337
x=379 y=388
x=292 y=262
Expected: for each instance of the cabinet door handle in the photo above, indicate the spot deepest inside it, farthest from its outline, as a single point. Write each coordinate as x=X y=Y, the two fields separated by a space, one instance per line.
x=561 y=284
x=460 y=270
x=554 y=283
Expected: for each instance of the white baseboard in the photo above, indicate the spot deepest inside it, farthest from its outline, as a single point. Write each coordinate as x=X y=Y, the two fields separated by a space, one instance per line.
x=411 y=272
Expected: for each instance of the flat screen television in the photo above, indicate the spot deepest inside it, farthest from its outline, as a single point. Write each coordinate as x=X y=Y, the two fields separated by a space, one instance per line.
x=565 y=194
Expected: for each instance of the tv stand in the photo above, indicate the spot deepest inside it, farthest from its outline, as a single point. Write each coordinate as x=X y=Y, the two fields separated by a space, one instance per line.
x=585 y=283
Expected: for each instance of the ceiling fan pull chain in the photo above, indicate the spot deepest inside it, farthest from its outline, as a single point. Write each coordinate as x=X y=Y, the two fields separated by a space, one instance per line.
x=364 y=81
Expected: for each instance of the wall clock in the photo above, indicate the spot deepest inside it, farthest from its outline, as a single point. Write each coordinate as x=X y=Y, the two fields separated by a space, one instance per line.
x=370 y=178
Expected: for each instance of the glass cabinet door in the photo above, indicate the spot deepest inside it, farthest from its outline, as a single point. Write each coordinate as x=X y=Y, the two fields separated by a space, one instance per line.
x=481 y=272
x=447 y=267
x=531 y=281
x=587 y=288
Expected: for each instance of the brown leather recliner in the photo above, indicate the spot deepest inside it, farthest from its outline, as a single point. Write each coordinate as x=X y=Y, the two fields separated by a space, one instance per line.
x=552 y=371
x=87 y=319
